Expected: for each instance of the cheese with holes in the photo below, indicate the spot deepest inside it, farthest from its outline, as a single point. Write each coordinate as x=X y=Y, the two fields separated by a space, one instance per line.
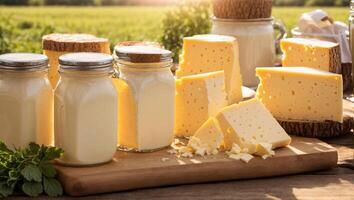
x=207 y=139
x=197 y=98
x=249 y=123
x=301 y=93
x=208 y=53
x=312 y=53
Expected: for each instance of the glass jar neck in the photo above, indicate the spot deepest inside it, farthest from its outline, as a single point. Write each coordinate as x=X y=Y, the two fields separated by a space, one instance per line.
x=144 y=67
x=85 y=74
x=23 y=73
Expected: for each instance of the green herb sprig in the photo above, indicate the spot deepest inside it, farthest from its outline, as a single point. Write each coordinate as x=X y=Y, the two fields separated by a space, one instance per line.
x=29 y=170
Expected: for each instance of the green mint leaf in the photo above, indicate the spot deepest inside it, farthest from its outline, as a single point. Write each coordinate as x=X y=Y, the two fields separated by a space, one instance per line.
x=48 y=170
x=32 y=173
x=3 y=147
x=52 y=187
x=5 y=190
x=53 y=153
x=32 y=189
x=33 y=148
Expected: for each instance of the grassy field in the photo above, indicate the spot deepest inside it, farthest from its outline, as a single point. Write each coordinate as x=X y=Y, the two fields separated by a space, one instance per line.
x=22 y=27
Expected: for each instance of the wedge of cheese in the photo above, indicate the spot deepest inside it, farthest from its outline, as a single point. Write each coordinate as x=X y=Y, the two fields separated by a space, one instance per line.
x=197 y=98
x=208 y=53
x=301 y=93
x=207 y=139
x=56 y=44
x=312 y=53
x=248 y=124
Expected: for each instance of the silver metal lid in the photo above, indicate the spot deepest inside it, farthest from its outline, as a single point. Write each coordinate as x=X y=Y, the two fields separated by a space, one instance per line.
x=143 y=54
x=86 y=61
x=23 y=62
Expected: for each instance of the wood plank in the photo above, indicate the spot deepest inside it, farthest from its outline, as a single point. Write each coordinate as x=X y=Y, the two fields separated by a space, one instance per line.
x=138 y=170
x=310 y=187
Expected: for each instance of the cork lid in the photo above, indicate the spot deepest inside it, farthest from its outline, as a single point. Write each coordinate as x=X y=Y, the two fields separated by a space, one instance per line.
x=143 y=54
x=139 y=43
x=74 y=42
x=23 y=62
x=242 y=9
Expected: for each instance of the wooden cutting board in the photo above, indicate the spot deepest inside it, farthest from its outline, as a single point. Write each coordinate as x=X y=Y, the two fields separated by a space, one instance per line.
x=143 y=170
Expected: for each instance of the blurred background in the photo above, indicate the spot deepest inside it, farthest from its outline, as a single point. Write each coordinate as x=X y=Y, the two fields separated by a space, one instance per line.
x=24 y=22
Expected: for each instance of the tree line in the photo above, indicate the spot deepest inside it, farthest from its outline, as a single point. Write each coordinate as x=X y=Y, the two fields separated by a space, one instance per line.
x=157 y=2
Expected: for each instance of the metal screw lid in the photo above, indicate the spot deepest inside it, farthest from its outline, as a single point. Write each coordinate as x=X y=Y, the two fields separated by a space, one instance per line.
x=143 y=54
x=86 y=61
x=23 y=62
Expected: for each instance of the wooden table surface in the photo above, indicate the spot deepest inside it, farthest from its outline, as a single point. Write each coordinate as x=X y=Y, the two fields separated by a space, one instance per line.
x=337 y=183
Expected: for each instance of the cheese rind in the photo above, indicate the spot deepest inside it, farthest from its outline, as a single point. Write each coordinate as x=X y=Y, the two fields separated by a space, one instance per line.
x=301 y=93
x=198 y=97
x=250 y=123
x=207 y=139
x=208 y=53
x=311 y=53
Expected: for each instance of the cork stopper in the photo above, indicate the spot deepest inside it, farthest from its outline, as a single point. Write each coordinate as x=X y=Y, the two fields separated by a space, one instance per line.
x=139 y=43
x=242 y=9
x=141 y=53
x=75 y=43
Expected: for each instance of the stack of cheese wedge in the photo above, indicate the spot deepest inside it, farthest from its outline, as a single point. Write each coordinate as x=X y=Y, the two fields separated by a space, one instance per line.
x=209 y=108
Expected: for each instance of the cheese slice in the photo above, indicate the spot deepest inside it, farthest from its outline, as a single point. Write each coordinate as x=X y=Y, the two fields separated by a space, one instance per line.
x=207 y=139
x=208 y=53
x=301 y=94
x=197 y=98
x=312 y=53
x=249 y=123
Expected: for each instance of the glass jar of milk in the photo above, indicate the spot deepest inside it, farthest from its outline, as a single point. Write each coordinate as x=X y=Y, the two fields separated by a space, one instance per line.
x=26 y=100
x=256 y=42
x=351 y=30
x=85 y=109
x=146 y=98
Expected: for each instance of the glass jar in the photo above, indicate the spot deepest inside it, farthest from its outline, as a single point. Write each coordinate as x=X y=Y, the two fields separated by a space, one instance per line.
x=146 y=98
x=26 y=100
x=256 y=43
x=351 y=30
x=85 y=109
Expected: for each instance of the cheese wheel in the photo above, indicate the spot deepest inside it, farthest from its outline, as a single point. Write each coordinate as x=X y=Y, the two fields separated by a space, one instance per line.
x=242 y=9
x=56 y=44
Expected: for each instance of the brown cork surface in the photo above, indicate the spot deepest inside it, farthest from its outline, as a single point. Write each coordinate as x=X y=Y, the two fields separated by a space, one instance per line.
x=139 y=43
x=335 y=64
x=347 y=75
x=242 y=9
x=75 y=43
x=142 y=53
x=323 y=129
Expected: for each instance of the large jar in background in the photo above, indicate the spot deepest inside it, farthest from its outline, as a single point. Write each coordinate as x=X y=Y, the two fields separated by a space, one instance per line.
x=256 y=42
x=146 y=98
x=26 y=100
x=351 y=30
x=86 y=109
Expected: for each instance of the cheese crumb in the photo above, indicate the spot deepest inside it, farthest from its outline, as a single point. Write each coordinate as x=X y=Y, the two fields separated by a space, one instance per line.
x=164 y=159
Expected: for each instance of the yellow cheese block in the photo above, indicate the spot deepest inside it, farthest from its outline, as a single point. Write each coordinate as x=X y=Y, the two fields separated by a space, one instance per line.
x=301 y=93
x=208 y=53
x=207 y=139
x=197 y=98
x=312 y=53
x=248 y=124
x=127 y=115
